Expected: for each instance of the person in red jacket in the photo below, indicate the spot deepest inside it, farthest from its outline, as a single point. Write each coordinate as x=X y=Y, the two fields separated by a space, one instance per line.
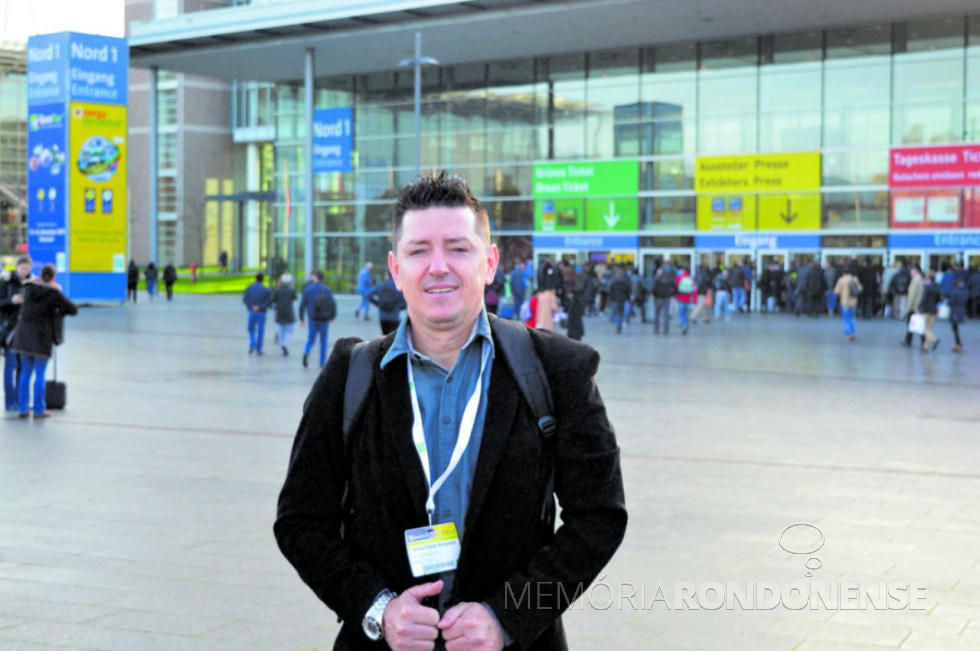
x=686 y=296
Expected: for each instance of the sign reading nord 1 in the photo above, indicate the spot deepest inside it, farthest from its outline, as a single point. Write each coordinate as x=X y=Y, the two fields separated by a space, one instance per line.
x=84 y=67
x=333 y=140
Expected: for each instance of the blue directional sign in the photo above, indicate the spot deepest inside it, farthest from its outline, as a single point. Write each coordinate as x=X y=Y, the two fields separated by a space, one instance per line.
x=98 y=69
x=47 y=69
x=333 y=140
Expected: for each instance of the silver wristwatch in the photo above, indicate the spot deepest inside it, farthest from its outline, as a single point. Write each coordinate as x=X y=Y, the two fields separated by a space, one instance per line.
x=373 y=622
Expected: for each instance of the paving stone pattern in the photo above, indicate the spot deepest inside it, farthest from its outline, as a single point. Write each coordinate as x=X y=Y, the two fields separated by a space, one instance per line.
x=141 y=517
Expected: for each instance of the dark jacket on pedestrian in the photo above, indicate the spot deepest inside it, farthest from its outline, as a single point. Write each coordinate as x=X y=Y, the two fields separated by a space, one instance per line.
x=389 y=301
x=308 y=299
x=43 y=304
x=169 y=274
x=257 y=295
x=512 y=558
x=619 y=289
x=11 y=285
x=151 y=273
x=132 y=275
x=282 y=300
x=575 y=308
x=959 y=295
x=931 y=297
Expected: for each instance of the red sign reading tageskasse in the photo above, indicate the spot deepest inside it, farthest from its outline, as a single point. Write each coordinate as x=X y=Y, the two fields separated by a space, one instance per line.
x=934 y=167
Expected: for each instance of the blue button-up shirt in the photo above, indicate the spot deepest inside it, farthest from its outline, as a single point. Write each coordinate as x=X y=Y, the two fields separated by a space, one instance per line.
x=442 y=398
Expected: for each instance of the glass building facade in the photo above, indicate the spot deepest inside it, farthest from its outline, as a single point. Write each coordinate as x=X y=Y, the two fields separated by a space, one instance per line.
x=849 y=96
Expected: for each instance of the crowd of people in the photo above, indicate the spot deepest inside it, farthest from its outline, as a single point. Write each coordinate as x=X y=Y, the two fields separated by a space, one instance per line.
x=560 y=294
x=32 y=309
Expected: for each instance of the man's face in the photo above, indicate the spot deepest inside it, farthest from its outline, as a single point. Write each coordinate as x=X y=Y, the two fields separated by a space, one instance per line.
x=442 y=265
x=23 y=270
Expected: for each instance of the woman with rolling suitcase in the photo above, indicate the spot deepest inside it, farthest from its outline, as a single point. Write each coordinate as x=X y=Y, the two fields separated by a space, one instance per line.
x=35 y=337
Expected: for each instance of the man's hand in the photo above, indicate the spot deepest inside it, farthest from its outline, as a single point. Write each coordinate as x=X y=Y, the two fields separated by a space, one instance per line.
x=471 y=627
x=17 y=299
x=410 y=626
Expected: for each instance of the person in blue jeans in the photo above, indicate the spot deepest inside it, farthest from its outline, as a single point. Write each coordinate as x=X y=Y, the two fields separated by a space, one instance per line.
x=849 y=288
x=35 y=338
x=722 y=296
x=257 y=298
x=11 y=300
x=318 y=304
x=365 y=282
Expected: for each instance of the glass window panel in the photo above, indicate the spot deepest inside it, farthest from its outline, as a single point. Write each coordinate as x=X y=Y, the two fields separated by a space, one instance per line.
x=374 y=120
x=921 y=125
x=798 y=47
x=515 y=145
x=790 y=87
x=933 y=35
x=509 y=180
x=377 y=88
x=464 y=148
x=973 y=60
x=868 y=167
x=857 y=127
x=734 y=53
x=859 y=42
x=973 y=123
x=789 y=131
x=671 y=174
x=850 y=210
x=857 y=82
x=668 y=213
x=512 y=215
x=727 y=135
x=928 y=77
x=569 y=141
x=374 y=185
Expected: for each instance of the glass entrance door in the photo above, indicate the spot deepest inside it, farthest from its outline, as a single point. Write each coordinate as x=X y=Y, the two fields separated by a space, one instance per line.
x=908 y=258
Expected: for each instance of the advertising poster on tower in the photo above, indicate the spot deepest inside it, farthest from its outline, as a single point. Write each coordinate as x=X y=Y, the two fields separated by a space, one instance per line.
x=47 y=172
x=98 y=187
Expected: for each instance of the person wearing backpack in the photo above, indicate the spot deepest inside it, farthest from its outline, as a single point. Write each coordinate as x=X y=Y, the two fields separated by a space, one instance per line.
x=686 y=296
x=419 y=501
x=318 y=303
x=664 y=289
x=169 y=278
x=257 y=298
x=849 y=289
x=390 y=303
x=723 y=305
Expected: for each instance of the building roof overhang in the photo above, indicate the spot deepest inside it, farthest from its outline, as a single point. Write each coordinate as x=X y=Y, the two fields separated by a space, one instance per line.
x=267 y=42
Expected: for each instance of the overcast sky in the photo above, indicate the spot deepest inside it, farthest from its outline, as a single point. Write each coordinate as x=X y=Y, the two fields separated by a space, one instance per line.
x=22 y=18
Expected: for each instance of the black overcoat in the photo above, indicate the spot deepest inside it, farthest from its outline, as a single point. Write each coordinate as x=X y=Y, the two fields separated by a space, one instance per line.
x=512 y=558
x=35 y=329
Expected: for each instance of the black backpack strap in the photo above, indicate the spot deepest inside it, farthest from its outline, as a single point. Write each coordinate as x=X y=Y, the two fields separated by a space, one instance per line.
x=359 y=377
x=525 y=366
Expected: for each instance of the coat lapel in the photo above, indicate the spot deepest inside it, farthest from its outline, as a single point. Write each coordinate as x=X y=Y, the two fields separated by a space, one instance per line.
x=396 y=422
x=502 y=402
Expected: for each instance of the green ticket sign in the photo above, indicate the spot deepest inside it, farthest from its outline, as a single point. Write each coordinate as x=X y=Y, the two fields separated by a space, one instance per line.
x=598 y=196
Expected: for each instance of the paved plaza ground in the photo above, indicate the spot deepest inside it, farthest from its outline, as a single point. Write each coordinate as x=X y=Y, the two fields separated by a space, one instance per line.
x=141 y=517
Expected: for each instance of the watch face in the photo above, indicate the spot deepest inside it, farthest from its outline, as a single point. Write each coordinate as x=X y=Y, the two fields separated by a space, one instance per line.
x=372 y=629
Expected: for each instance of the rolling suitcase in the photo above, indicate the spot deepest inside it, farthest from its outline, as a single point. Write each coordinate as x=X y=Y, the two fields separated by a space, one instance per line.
x=55 y=393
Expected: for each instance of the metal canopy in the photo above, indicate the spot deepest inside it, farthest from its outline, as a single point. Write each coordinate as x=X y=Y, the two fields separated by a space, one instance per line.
x=267 y=42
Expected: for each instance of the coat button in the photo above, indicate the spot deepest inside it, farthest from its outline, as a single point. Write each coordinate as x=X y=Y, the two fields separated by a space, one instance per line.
x=446 y=420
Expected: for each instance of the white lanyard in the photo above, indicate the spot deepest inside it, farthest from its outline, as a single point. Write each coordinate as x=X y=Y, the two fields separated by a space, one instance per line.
x=462 y=440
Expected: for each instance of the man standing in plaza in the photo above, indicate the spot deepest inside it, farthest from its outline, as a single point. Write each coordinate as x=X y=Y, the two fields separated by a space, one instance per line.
x=915 y=290
x=365 y=282
x=426 y=521
x=256 y=298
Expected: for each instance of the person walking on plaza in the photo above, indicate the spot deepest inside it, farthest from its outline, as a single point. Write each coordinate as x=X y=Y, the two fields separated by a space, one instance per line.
x=390 y=303
x=868 y=301
x=319 y=305
x=722 y=296
x=663 y=290
x=898 y=288
x=152 y=275
x=365 y=282
x=35 y=338
x=257 y=299
x=169 y=278
x=11 y=302
x=849 y=289
x=973 y=286
x=685 y=297
x=575 y=307
x=736 y=280
x=959 y=296
x=619 y=293
x=929 y=306
x=132 y=280
x=816 y=289
x=424 y=514
x=916 y=288
x=282 y=300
